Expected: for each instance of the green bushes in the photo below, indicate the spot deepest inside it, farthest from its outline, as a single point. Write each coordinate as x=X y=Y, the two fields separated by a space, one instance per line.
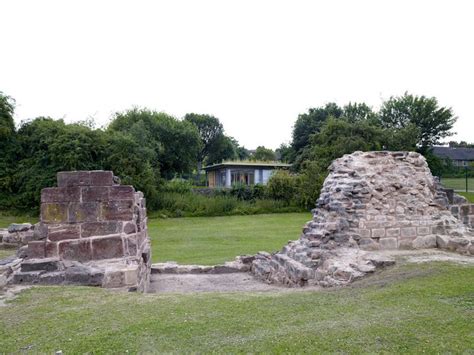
x=176 y=199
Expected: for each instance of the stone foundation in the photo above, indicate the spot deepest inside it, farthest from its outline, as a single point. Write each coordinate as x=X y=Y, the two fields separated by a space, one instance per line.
x=370 y=202
x=93 y=231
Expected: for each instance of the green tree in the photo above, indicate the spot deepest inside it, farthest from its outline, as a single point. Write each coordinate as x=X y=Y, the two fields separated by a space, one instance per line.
x=8 y=147
x=214 y=144
x=263 y=154
x=354 y=112
x=433 y=122
x=174 y=142
x=310 y=123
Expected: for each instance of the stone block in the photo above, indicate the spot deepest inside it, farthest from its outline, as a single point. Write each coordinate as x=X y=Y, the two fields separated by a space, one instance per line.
x=60 y=194
x=79 y=250
x=130 y=228
x=392 y=232
x=464 y=209
x=45 y=264
x=90 y=229
x=388 y=243
x=423 y=230
x=120 y=192
x=51 y=249
x=83 y=212
x=107 y=247
x=439 y=229
x=117 y=210
x=442 y=241
x=101 y=178
x=74 y=178
x=54 y=212
x=82 y=275
x=408 y=232
x=424 y=242
x=378 y=232
x=36 y=249
x=94 y=193
x=406 y=243
x=52 y=278
x=368 y=244
x=57 y=232
x=132 y=244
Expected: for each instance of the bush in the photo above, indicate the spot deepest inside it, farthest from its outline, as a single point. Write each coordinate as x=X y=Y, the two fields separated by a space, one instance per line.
x=282 y=186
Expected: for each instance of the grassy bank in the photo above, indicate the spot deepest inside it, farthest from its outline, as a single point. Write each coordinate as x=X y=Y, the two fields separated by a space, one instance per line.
x=424 y=308
x=468 y=195
x=212 y=240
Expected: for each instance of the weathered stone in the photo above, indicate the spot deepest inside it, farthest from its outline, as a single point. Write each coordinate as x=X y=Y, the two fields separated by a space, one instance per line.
x=393 y=232
x=102 y=178
x=408 y=232
x=74 y=178
x=79 y=250
x=57 y=232
x=388 y=243
x=424 y=242
x=36 y=249
x=46 y=264
x=378 y=232
x=107 y=247
x=19 y=227
x=54 y=212
x=117 y=210
x=122 y=192
x=83 y=212
x=94 y=194
x=90 y=229
x=60 y=194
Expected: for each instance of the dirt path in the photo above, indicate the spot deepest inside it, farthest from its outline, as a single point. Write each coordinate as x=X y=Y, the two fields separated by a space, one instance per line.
x=244 y=282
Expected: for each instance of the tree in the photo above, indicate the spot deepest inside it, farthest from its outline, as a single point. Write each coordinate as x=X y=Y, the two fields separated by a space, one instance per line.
x=8 y=147
x=284 y=153
x=433 y=122
x=174 y=142
x=310 y=123
x=263 y=154
x=354 y=112
x=214 y=144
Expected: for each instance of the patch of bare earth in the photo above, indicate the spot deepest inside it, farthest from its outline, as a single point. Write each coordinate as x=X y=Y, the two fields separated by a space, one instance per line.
x=245 y=282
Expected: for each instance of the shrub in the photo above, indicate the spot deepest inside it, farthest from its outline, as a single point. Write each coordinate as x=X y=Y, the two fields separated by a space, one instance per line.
x=282 y=186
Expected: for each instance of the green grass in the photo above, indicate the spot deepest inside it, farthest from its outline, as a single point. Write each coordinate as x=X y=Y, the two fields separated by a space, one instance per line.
x=425 y=308
x=5 y=220
x=6 y=252
x=213 y=240
x=468 y=195
x=458 y=184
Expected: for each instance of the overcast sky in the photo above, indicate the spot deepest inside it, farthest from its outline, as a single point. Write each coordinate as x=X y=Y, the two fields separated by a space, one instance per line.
x=253 y=64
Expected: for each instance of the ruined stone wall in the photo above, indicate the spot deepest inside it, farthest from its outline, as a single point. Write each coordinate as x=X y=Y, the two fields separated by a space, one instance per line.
x=370 y=201
x=92 y=231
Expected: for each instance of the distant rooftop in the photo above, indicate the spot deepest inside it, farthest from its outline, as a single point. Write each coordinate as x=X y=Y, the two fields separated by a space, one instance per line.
x=454 y=153
x=248 y=163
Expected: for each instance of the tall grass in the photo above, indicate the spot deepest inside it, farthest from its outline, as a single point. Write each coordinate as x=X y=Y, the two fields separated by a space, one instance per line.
x=188 y=204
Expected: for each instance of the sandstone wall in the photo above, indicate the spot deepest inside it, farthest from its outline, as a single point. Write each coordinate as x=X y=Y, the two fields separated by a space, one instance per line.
x=92 y=231
x=369 y=202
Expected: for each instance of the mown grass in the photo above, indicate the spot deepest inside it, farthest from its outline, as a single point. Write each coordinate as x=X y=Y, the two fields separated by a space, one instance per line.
x=425 y=308
x=213 y=240
x=468 y=195
x=458 y=184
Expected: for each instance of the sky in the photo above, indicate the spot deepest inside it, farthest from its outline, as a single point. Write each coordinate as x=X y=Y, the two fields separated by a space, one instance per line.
x=253 y=64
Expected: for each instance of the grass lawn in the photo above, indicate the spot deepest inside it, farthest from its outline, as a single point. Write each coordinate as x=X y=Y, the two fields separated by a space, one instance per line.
x=468 y=195
x=458 y=183
x=213 y=240
x=405 y=309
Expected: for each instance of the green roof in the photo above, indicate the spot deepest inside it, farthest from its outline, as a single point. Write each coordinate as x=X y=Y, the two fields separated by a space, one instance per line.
x=247 y=164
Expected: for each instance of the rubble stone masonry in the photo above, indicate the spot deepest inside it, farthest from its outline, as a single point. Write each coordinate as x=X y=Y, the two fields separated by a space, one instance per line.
x=370 y=202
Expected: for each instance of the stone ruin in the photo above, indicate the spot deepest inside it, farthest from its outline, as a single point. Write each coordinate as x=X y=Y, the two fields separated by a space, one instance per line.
x=370 y=202
x=93 y=231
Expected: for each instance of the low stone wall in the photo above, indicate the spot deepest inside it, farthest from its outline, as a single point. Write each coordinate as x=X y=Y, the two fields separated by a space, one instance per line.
x=16 y=235
x=465 y=213
x=92 y=231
